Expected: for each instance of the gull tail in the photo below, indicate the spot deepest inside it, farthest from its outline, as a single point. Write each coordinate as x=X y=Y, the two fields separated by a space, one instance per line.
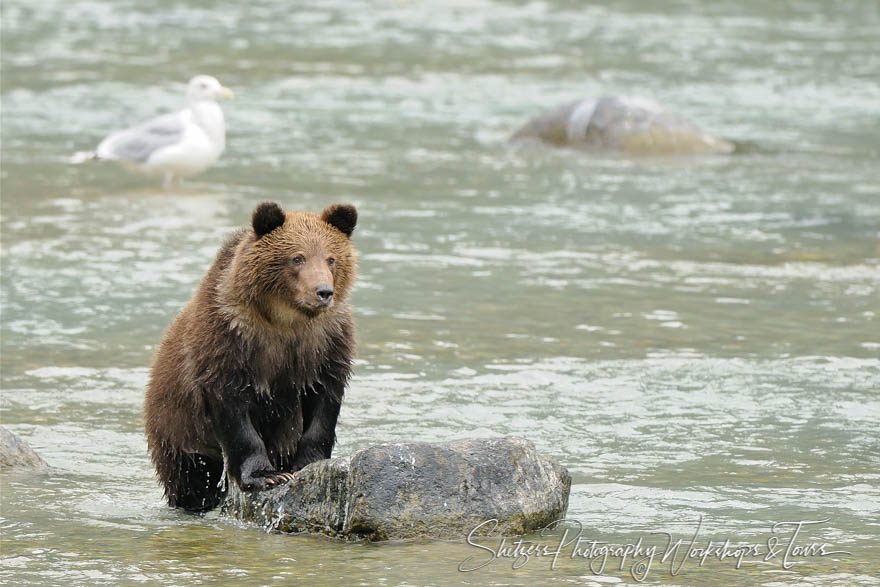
x=83 y=157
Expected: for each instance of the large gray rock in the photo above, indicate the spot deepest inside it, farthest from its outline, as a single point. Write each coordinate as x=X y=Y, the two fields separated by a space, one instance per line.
x=410 y=490
x=16 y=454
x=630 y=125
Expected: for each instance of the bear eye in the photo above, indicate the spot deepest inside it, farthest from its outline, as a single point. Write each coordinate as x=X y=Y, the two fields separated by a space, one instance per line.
x=298 y=260
x=331 y=261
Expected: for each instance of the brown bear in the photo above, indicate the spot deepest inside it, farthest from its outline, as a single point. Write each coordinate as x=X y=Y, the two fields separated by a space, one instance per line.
x=252 y=371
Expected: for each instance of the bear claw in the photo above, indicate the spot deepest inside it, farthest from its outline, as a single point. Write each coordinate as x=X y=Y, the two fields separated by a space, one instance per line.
x=265 y=480
x=278 y=479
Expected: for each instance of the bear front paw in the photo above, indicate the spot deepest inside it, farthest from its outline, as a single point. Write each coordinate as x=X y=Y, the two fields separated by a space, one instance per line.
x=262 y=480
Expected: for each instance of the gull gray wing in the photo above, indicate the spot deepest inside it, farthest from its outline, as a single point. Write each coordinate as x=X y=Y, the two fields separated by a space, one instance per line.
x=136 y=144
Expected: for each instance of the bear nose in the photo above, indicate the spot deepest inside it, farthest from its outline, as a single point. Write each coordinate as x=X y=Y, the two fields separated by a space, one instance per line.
x=325 y=292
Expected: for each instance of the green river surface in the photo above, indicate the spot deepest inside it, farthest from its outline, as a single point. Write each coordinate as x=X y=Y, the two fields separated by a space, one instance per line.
x=697 y=339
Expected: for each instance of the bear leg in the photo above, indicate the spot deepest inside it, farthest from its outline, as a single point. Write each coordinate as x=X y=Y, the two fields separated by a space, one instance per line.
x=247 y=461
x=193 y=482
x=320 y=410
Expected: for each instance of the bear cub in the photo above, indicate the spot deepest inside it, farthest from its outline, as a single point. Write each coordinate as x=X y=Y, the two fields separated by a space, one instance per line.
x=252 y=371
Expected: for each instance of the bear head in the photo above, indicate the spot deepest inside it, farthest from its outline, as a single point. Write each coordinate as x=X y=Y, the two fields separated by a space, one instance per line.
x=294 y=265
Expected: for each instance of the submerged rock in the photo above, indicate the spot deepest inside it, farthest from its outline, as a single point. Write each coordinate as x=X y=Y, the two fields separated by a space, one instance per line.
x=413 y=490
x=17 y=454
x=631 y=125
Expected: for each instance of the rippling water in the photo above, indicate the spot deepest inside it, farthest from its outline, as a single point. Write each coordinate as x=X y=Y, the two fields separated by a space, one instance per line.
x=694 y=336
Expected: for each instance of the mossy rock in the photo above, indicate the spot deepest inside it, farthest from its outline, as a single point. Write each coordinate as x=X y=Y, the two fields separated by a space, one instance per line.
x=630 y=125
x=17 y=455
x=410 y=490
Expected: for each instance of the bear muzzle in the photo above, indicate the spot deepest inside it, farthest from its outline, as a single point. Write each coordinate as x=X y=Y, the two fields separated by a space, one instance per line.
x=325 y=294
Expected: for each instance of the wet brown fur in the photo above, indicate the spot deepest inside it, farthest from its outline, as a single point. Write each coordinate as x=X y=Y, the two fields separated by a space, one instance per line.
x=252 y=353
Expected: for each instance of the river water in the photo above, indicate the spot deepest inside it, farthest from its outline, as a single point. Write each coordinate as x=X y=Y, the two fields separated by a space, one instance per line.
x=693 y=338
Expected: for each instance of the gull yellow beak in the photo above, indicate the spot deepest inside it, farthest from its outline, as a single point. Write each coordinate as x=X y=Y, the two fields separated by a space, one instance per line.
x=226 y=93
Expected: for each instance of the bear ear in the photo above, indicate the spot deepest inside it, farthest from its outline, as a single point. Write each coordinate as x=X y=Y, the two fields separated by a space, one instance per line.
x=343 y=217
x=267 y=217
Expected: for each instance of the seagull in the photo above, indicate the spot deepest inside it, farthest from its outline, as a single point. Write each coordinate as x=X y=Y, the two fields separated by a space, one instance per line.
x=175 y=145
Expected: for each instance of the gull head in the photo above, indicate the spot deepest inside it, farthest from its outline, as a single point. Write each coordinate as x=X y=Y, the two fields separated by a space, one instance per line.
x=205 y=87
